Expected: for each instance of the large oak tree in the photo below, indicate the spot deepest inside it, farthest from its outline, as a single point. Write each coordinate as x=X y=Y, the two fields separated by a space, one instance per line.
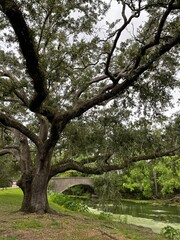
x=59 y=61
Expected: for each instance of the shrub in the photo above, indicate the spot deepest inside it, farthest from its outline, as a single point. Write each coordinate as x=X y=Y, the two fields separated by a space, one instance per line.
x=68 y=202
x=171 y=233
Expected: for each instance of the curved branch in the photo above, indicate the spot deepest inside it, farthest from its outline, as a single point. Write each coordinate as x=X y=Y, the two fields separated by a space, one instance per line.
x=130 y=78
x=10 y=150
x=27 y=45
x=10 y=122
x=91 y=159
x=5 y=151
x=73 y=165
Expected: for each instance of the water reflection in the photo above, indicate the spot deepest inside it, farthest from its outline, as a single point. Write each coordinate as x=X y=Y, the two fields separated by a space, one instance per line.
x=163 y=213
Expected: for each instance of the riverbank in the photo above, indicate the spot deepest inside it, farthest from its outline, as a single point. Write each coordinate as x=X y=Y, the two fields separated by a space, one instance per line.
x=67 y=225
x=153 y=214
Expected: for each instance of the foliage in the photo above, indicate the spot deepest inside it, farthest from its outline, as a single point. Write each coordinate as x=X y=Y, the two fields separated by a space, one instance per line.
x=139 y=180
x=107 y=188
x=143 y=180
x=79 y=190
x=68 y=202
x=77 y=96
x=169 y=173
x=156 y=179
x=8 y=171
x=171 y=233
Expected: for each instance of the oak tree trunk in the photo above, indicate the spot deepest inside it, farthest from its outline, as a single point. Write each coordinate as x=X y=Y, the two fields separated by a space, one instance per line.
x=34 y=186
x=34 y=193
x=39 y=200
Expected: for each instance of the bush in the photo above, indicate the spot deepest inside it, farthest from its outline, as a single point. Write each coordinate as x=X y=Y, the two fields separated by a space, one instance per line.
x=4 y=182
x=68 y=202
x=171 y=233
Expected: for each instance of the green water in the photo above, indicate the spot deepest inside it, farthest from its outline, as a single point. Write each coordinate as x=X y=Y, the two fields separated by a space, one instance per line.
x=157 y=212
x=154 y=216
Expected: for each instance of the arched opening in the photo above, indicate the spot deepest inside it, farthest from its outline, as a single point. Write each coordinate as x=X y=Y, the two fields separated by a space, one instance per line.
x=80 y=190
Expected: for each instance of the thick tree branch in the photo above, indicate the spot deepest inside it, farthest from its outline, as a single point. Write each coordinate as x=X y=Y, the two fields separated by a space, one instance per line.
x=12 y=151
x=130 y=75
x=27 y=45
x=175 y=5
x=60 y=120
x=11 y=122
x=159 y=52
x=25 y=160
x=43 y=129
x=130 y=78
x=5 y=151
x=73 y=165
x=95 y=158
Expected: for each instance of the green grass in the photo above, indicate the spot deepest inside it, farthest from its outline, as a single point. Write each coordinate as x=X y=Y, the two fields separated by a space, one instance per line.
x=72 y=226
x=27 y=224
x=10 y=199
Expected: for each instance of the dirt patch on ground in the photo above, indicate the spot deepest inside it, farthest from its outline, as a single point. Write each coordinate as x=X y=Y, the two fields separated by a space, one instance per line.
x=46 y=227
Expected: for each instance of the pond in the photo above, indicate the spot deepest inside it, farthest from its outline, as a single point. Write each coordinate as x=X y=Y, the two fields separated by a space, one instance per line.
x=145 y=214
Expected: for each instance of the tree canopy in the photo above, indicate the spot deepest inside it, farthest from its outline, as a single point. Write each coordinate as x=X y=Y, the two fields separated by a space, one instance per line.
x=69 y=80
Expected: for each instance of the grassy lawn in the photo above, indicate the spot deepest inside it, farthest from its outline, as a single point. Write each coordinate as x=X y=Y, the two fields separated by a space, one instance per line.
x=15 y=225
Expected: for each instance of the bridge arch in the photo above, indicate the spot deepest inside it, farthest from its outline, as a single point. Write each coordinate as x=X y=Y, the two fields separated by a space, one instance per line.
x=61 y=184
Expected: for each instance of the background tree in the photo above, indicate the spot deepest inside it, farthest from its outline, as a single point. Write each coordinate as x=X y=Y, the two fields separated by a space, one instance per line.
x=142 y=180
x=56 y=66
x=158 y=178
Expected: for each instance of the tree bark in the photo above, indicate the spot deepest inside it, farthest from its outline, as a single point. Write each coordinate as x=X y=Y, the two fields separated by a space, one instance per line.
x=34 y=188
x=39 y=200
x=25 y=183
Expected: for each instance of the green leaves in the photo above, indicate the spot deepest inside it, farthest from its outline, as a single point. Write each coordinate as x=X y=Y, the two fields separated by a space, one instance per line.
x=171 y=233
x=72 y=62
x=68 y=202
x=169 y=173
x=138 y=180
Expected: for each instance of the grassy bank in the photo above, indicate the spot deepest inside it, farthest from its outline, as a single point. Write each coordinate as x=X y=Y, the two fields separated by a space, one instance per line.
x=66 y=226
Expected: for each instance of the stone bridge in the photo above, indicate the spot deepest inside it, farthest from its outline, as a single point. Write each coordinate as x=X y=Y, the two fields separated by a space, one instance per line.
x=61 y=184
